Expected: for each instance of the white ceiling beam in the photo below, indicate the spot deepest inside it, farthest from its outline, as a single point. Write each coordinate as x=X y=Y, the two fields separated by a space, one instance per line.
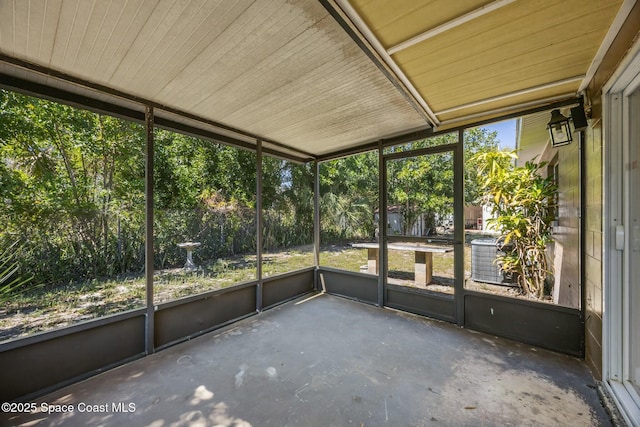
x=456 y=22
x=617 y=23
x=373 y=41
x=508 y=109
x=511 y=94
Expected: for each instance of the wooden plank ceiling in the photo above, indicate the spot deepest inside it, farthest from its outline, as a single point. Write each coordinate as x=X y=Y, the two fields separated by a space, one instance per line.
x=282 y=70
x=287 y=71
x=469 y=57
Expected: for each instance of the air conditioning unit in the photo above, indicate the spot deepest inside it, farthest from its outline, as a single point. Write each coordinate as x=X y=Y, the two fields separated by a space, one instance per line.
x=483 y=262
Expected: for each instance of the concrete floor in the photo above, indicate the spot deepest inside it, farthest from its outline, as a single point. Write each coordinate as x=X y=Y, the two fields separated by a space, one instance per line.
x=327 y=361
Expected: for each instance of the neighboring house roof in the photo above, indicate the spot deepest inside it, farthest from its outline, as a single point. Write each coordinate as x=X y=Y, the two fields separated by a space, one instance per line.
x=532 y=136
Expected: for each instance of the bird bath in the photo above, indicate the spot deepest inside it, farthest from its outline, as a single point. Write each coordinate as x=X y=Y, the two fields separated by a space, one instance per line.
x=189 y=246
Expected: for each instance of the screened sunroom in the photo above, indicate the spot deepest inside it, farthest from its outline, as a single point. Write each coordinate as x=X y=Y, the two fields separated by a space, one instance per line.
x=334 y=212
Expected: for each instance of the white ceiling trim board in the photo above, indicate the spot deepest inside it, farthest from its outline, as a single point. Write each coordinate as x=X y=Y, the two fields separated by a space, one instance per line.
x=505 y=110
x=511 y=94
x=456 y=22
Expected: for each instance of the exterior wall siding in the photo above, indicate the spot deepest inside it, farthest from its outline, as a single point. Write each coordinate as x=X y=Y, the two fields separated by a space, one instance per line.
x=567 y=235
x=593 y=247
x=564 y=253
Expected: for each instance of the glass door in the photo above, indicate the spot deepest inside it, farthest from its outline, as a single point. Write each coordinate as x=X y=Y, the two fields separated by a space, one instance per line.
x=621 y=223
x=631 y=258
x=421 y=242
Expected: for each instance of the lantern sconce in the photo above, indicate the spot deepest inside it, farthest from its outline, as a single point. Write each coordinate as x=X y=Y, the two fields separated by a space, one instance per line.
x=559 y=128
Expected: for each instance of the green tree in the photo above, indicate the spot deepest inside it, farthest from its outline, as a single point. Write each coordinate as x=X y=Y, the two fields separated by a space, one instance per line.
x=423 y=186
x=204 y=191
x=419 y=186
x=522 y=202
x=349 y=197
x=63 y=169
x=287 y=203
x=11 y=280
x=476 y=141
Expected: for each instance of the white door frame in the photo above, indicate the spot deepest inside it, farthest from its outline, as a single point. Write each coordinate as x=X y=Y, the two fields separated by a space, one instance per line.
x=616 y=304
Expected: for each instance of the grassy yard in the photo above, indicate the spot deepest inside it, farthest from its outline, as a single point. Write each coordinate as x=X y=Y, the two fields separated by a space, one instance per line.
x=45 y=308
x=48 y=308
x=401 y=263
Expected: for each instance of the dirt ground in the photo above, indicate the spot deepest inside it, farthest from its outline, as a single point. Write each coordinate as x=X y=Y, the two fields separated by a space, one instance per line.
x=445 y=285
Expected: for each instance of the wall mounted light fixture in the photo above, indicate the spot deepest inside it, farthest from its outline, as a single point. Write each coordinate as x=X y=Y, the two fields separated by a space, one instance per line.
x=559 y=129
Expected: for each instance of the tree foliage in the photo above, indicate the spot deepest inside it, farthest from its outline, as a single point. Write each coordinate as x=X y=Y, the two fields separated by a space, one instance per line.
x=349 y=198
x=70 y=177
x=72 y=184
x=287 y=204
x=522 y=202
x=10 y=278
x=418 y=186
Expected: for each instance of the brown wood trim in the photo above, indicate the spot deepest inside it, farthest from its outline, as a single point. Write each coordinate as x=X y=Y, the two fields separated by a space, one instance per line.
x=617 y=51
